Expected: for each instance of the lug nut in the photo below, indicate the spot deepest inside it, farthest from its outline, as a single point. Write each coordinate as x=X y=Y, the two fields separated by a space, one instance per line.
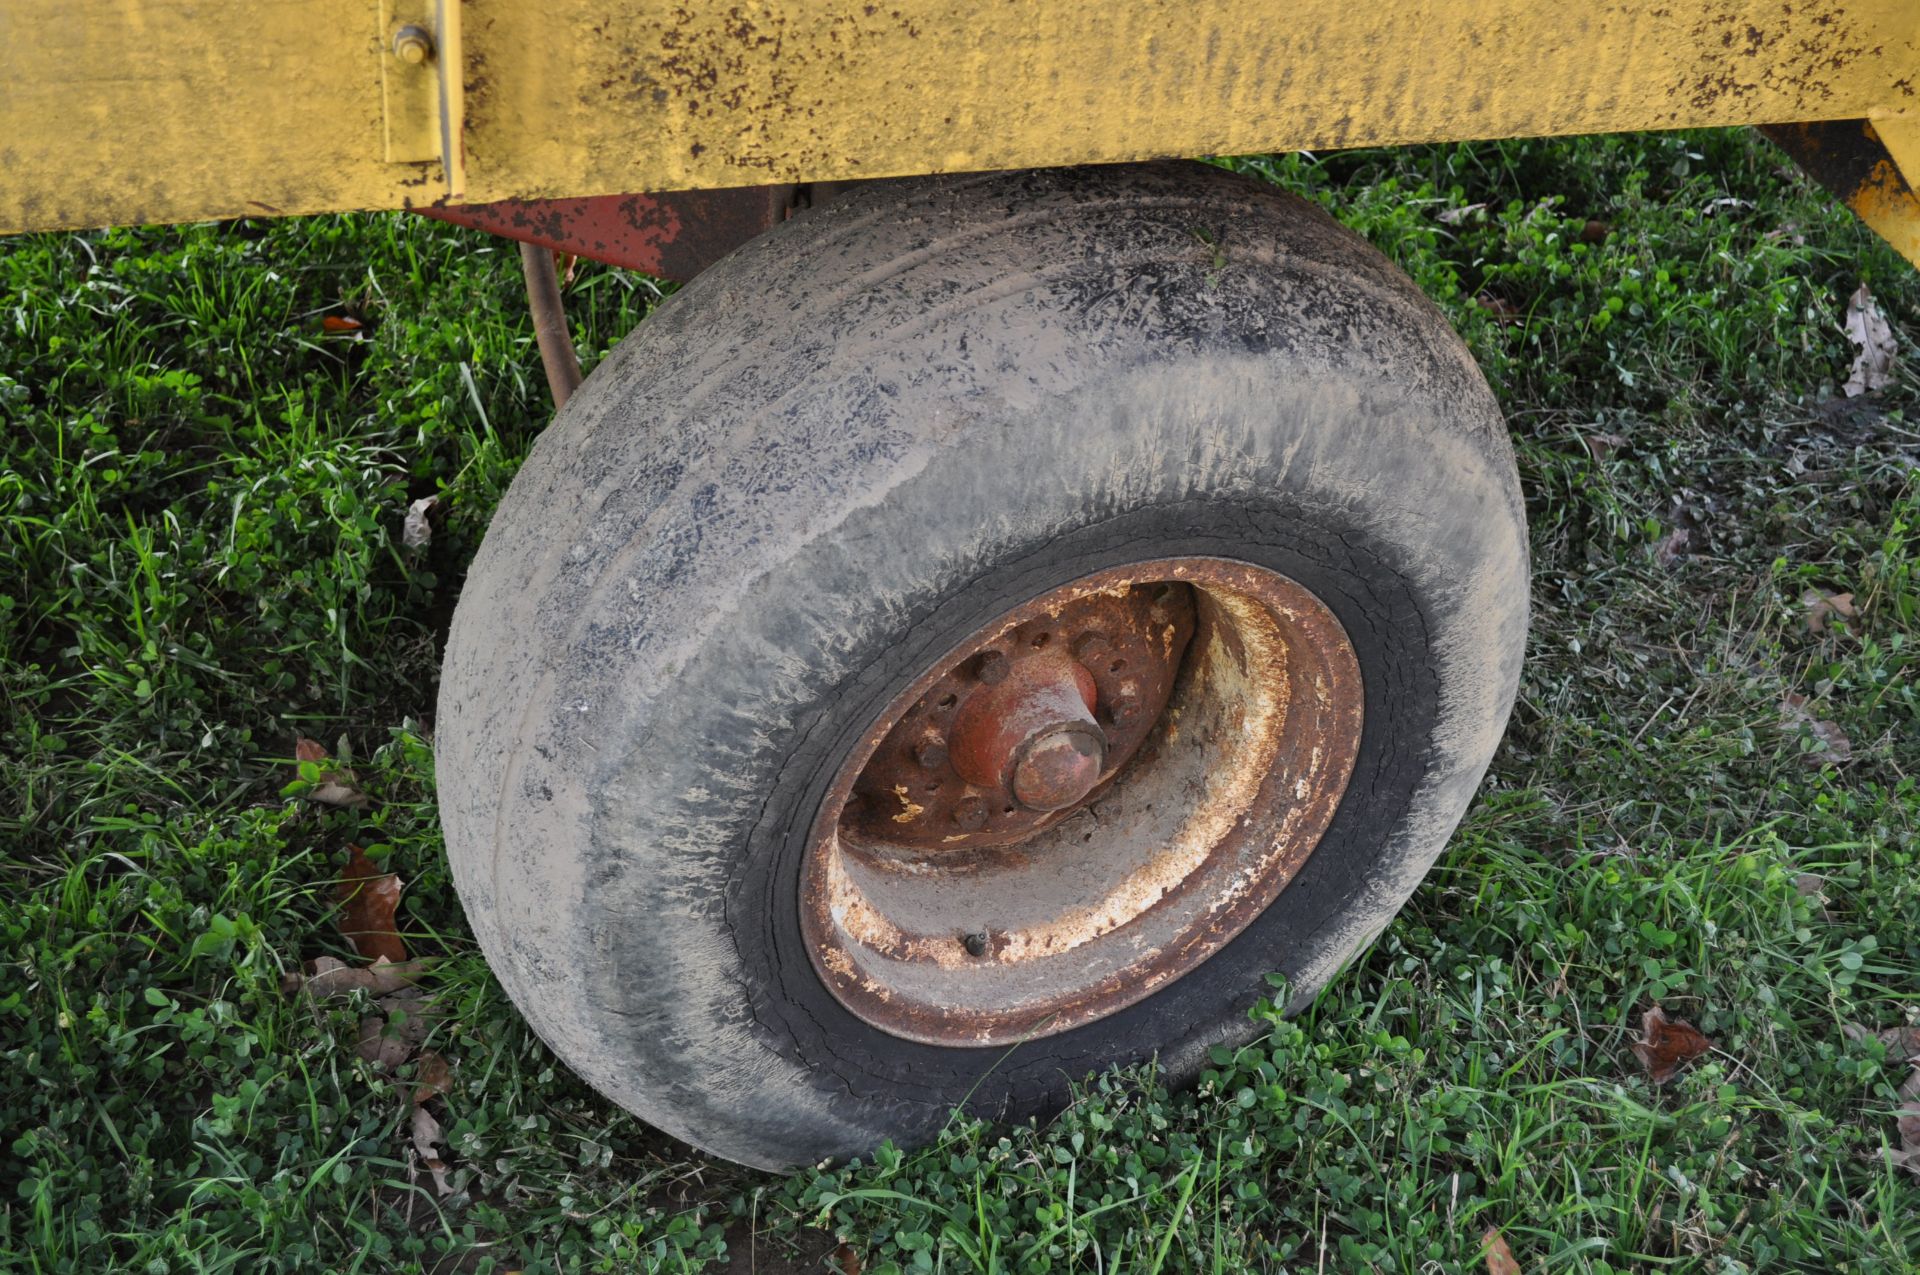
x=990 y=667
x=413 y=45
x=931 y=753
x=975 y=943
x=970 y=815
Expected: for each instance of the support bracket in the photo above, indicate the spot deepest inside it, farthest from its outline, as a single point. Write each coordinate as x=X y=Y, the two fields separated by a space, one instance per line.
x=420 y=86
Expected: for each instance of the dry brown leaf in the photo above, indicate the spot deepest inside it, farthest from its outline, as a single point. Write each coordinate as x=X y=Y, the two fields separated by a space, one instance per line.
x=1906 y=1122
x=1903 y=1043
x=1833 y=739
x=1814 y=886
x=339 y=790
x=1502 y=310
x=328 y=977
x=435 y=1077
x=1903 y=1046
x=845 y=1260
x=1834 y=744
x=1673 y=548
x=382 y=1045
x=1826 y=608
x=1500 y=1259
x=409 y=1017
x=368 y=896
x=389 y=1038
x=426 y=1132
x=1601 y=446
x=417 y=531
x=1667 y=1044
x=338 y=786
x=1868 y=329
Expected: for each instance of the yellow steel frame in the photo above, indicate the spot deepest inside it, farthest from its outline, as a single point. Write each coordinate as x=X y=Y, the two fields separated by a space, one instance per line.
x=116 y=111
x=1887 y=201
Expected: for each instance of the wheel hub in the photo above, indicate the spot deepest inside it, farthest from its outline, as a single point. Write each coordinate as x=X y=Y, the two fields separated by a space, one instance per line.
x=1025 y=726
x=1081 y=802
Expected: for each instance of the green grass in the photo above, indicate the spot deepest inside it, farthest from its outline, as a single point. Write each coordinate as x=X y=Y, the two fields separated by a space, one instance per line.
x=200 y=559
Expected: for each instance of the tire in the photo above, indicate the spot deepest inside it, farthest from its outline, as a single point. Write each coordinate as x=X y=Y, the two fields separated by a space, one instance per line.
x=860 y=436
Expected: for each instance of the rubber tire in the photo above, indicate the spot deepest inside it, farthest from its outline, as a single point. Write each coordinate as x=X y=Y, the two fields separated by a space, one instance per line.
x=848 y=444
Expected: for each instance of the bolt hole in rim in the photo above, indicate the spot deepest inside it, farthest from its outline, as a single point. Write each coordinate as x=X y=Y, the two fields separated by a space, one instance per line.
x=1149 y=805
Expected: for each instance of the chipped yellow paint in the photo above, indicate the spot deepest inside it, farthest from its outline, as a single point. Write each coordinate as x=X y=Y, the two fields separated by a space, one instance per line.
x=151 y=110
x=909 y=808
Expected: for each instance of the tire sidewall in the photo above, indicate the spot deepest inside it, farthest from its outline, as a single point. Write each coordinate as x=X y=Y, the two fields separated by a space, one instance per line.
x=669 y=757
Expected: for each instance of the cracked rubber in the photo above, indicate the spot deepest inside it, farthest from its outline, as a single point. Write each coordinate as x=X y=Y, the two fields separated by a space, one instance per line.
x=850 y=443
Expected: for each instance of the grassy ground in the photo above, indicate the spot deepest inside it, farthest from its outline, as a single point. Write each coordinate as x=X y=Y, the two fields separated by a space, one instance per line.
x=200 y=513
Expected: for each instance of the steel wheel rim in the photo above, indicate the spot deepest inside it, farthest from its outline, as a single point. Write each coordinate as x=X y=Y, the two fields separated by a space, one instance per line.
x=1030 y=922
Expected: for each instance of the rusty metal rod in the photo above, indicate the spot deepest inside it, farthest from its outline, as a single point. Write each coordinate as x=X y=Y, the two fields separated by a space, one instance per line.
x=550 y=323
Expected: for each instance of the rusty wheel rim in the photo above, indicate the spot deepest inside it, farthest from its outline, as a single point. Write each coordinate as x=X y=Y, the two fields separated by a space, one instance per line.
x=1081 y=802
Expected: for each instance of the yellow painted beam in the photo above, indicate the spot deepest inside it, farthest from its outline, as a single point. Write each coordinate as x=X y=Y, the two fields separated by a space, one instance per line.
x=159 y=110
x=1886 y=201
x=1871 y=164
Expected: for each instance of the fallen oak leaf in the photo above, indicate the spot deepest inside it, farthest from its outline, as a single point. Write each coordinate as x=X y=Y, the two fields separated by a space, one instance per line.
x=1902 y=1043
x=1811 y=885
x=1903 y=1047
x=411 y=1018
x=1868 y=329
x=1824 y=608
x=1906 y=1123
x=1601 y=446
x=416 y=531
x=1500 y=1259
x=1833 y=742
x=1670 y=550
x=368 y=896
x=434 y=1078
x=1667 y=1044
x=426 y=1132
x=384 y=1048
x=329 y=785
x=329 y=977
x=388 y=1039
